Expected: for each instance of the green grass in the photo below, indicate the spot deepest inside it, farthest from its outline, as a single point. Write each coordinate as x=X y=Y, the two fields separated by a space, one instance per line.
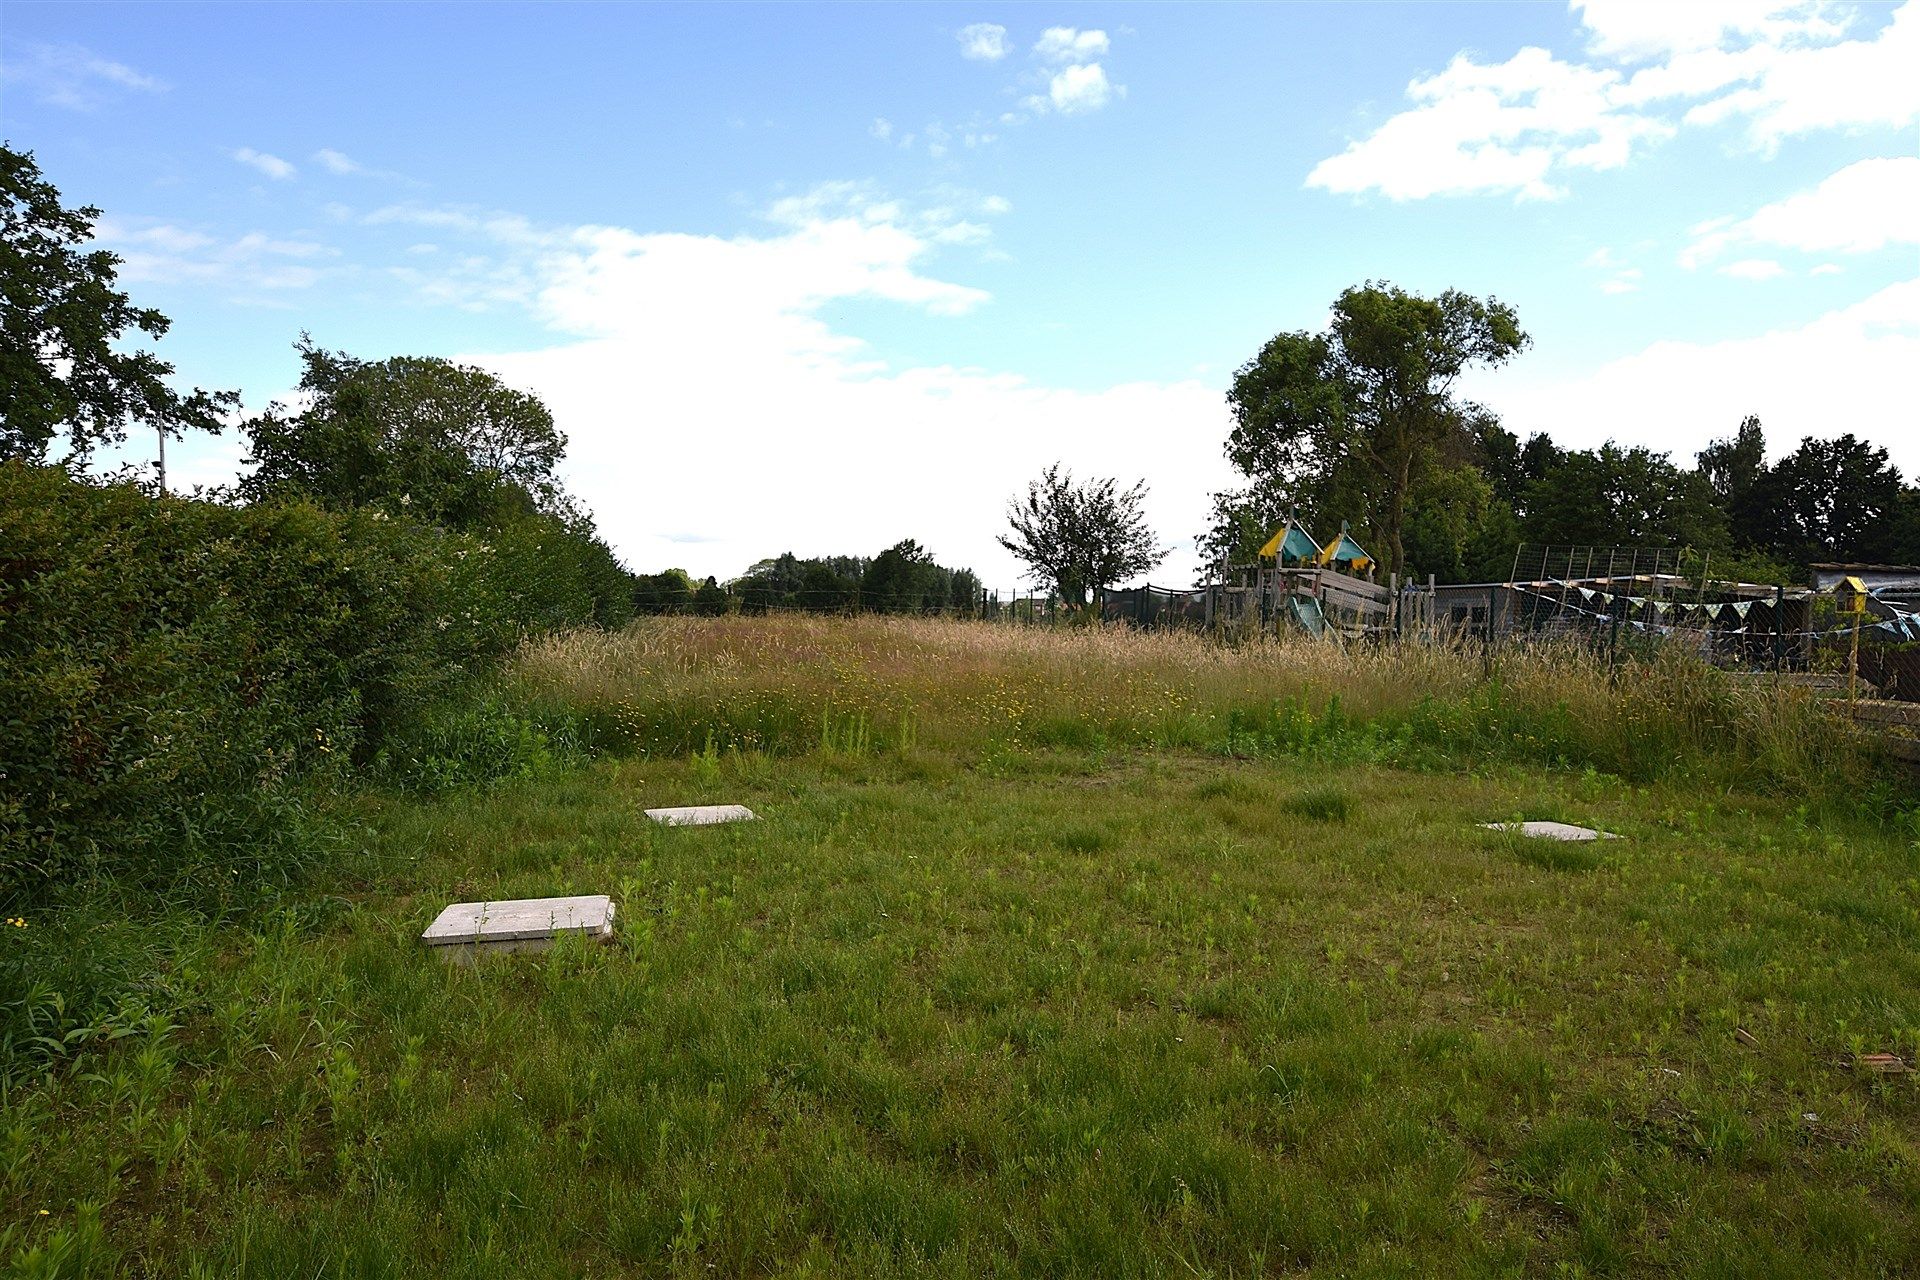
x=1137 y=1017
x=1030 y=1003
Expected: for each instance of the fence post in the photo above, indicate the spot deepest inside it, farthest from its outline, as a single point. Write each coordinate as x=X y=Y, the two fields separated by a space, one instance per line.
x=1779 y=628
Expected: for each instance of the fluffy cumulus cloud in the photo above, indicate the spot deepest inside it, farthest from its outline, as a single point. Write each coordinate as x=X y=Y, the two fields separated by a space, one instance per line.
x=983 y=41
x=1847 y=370
x=1075 y=83
x=1867 y=206
x=1521 y=126
x=71 y=75
x=715 y=415
x=1079 y=88
x=271 y=165
x=1067 y=44
x=1506 y=127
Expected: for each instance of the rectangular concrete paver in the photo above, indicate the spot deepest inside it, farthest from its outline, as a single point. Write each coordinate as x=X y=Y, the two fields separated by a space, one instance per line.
x=466 y=929
x=702 y=815
x=1551 y=830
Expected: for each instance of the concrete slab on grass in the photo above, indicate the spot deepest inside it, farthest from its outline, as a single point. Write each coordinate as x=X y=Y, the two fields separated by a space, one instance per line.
x=1551 y=830
x=468 y=929
x=702 y=815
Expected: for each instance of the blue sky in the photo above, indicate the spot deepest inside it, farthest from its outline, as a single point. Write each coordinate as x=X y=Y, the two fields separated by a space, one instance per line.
x=821 y=277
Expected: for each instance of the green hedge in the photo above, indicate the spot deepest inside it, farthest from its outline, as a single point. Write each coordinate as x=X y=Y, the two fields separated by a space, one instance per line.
x=169 y=668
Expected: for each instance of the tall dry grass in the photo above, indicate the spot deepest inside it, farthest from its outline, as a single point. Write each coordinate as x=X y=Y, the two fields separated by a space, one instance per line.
x=790 y=683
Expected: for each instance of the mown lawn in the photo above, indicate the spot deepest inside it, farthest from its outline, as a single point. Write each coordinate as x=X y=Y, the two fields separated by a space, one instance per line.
x=1043 y=1012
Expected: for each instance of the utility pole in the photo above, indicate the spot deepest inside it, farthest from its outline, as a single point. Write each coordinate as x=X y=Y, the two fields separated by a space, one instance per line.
x=163 y=459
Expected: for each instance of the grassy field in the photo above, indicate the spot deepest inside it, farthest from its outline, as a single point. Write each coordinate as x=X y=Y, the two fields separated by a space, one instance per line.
x=1053 y=954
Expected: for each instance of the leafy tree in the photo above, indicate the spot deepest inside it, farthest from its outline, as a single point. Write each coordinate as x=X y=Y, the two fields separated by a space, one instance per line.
x=1832 y=500
x=901 y=579
x=1458 y=529
x=711 y=599
x=904 y=579
x=823 y=590
x=1612 y=496
x=1080 y=537
x=1904 y=535
x=1510 y=466
x=1241 y=522
x=450 y=443
x=963 y=592
x=1736 y=467
x=61 y=320
x=1373 y=398
x=668 y=592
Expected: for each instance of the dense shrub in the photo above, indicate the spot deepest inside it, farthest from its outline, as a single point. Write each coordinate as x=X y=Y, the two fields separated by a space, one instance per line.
x=169 y=667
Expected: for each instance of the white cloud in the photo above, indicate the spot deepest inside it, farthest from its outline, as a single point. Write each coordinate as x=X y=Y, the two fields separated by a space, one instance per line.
x=1499 y=128
x=344 y=165
x=1855 y=84
x=271 y=165
x=1518 y=127
x=1679 y=395
x=1634 y=29
x=684 y=461
x=72 y=76
x=255 y=263
x=1065 y=44
x=1867 y=206
x=1078 y=89
x=881 y=128
x=1754 y=269
x=1620 y=277
x=983 y=41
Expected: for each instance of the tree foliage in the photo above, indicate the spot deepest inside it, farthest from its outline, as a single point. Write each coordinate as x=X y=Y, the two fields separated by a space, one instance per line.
x=63 y=369
x=904 y=578
x=1076 y=538
x=1369 y=406
x=1835 y=499
x=448 y=443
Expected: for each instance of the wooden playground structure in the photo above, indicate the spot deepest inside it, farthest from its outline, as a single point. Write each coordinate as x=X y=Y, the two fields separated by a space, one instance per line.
x=1293 y=583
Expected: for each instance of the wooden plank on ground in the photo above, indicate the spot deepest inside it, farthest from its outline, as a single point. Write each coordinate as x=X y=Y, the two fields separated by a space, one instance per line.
x=1902 y=748
x=1877 y=711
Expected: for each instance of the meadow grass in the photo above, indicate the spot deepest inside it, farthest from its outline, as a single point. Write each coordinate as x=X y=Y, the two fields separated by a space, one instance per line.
x=792 y=684
x=1209 y=990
